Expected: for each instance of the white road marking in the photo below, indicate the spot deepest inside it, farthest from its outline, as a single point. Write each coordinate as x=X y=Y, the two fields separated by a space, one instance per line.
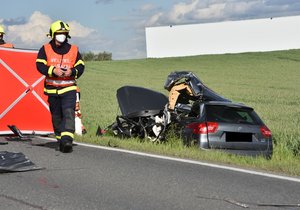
x=293 y=179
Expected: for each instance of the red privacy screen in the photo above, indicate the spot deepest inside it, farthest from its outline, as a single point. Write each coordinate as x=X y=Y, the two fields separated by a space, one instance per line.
x=22 y=102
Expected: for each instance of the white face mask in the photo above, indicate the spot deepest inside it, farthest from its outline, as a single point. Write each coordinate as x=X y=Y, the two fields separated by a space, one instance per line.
x=60 y=37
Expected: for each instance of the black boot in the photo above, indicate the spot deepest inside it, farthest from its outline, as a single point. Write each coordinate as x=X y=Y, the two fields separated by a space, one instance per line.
x=66 y=146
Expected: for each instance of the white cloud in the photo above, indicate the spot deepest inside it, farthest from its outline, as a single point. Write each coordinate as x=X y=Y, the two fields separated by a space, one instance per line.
x=212 y=11
x=78 y=30
x=179 y=11
x=147 y=7
x=32 y=34
x=154 y=19
x=199 y=11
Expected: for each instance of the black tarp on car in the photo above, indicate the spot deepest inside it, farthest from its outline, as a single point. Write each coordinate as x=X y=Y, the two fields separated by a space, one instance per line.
x=140 y=102
x=199 y=90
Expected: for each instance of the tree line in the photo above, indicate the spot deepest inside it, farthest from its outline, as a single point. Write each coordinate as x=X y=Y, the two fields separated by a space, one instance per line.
x=102 y=56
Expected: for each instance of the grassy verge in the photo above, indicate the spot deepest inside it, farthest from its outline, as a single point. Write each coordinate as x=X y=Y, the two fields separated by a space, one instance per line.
x=269 y=82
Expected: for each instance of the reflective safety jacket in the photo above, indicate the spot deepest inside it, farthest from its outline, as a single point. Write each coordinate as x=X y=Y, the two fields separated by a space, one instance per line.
x=61 y=61
x=7 y=45
x=48 y=59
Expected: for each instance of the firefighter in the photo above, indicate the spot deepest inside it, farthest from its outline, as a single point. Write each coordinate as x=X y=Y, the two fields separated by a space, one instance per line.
x=2 y=42
x=62 y=65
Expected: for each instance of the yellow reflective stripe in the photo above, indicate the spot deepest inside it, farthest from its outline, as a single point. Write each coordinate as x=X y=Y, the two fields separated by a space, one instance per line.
x=61 y=91
x=50 y=71
x=58 y=137
x=79 y=62
x=67 y=89
x=50 y=90
x=66 y=133
x=41 y=61
x=76 y=74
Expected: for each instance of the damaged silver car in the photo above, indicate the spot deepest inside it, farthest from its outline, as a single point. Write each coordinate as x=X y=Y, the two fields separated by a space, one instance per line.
x=201 y=116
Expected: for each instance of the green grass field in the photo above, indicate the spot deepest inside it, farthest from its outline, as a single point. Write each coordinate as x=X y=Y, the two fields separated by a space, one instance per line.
x=269 y=82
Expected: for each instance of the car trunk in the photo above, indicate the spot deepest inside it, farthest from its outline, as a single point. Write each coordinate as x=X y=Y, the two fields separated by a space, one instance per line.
x=238 y=128
x=238 y=136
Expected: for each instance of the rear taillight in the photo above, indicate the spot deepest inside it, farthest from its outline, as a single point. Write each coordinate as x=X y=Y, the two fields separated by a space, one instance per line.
x=265 y=131
x=203 y=128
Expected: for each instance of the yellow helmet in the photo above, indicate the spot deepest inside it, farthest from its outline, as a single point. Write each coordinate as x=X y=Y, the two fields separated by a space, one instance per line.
x=59 y=26
x=1 y=30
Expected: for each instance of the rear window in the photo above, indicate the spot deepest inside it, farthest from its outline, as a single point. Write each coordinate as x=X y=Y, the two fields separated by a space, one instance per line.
x=217 y=113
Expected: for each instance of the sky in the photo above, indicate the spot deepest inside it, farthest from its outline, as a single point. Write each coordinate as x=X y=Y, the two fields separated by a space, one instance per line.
x=118 y=26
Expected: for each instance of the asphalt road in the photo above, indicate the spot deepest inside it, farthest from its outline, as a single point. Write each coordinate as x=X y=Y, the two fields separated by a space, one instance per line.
x=93 y=178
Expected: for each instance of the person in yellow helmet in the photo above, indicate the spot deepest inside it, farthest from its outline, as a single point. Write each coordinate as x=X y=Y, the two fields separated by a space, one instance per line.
x=62 y=64
x=2 y=42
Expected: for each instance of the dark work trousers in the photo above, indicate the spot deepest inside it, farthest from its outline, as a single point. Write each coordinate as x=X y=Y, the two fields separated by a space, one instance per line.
x=62 y=108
